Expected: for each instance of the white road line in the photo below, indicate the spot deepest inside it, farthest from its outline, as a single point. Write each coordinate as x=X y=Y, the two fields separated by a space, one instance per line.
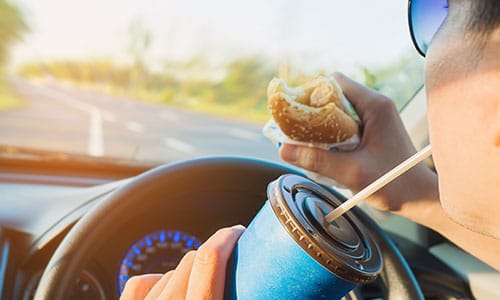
x=169 y=116
x=95 y=146
x=179 y=145
x=244 y=134
x=134 y=126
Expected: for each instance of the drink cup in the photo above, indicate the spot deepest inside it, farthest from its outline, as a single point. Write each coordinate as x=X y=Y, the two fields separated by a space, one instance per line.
x=289 y=251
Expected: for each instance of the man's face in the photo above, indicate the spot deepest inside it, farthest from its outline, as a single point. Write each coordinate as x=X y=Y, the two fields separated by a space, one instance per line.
x=463 y=89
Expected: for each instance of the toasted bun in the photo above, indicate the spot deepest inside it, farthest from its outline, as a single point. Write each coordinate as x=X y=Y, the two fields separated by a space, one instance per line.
x=313 y=112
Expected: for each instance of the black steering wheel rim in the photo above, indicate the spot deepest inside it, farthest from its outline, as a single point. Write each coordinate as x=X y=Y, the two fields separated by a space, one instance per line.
x=217 y=172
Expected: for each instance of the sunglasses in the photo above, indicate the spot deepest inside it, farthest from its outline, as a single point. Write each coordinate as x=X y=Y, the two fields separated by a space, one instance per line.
x=425 y=17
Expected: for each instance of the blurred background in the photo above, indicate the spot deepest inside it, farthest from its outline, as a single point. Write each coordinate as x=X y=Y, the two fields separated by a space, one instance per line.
x=165 y=80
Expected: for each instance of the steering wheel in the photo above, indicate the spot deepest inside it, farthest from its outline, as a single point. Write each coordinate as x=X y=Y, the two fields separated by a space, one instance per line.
x=178 y=186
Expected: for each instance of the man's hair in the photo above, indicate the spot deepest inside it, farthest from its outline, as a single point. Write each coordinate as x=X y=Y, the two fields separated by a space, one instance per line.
x=485 y=15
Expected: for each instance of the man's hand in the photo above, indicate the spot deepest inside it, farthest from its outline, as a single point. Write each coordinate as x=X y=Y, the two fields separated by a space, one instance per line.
x=201 y=274
x=384 y=144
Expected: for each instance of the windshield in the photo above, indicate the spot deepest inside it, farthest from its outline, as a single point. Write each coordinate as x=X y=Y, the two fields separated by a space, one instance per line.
x=161 y=81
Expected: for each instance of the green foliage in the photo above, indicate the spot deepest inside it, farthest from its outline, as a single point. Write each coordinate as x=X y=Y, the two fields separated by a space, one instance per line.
x=237 y=89
x=371 y=79
x=399 y=81
x=102 y=71
x=245 y=83
x=12 y=26
x=8 y=98
x=190 y=84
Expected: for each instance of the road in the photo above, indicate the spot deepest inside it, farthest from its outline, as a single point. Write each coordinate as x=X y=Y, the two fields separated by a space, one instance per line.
x=67 y=119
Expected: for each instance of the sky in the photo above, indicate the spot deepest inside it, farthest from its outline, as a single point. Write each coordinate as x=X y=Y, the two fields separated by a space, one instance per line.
x=312 y=34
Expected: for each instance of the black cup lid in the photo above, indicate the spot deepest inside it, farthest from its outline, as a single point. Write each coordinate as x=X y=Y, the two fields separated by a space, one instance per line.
x=343 y=246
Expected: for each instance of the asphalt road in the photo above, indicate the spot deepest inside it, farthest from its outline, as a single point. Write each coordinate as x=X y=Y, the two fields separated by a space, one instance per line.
x=67 y=119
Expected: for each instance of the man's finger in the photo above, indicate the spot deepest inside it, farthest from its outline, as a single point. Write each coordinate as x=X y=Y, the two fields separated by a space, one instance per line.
x=138 y=287
x=327 y=163
x=358 y=95
x=209 y=268
x=159 y=286
x=177 y=285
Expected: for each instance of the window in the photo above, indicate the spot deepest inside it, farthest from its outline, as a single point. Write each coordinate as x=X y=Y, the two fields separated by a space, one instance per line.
x=168 y=80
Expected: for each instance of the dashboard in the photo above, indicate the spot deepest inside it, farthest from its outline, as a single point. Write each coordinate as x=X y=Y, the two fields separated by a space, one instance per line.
x=38 y=211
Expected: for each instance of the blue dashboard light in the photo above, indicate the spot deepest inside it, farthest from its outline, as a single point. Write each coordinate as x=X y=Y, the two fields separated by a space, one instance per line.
x=177 y=236
x=165 y=249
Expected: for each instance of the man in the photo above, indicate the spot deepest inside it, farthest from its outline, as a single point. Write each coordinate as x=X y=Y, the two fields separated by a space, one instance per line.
x=462 y=83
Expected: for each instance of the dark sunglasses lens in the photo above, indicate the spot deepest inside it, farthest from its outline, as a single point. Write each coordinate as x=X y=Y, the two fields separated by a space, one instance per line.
x=426 y=16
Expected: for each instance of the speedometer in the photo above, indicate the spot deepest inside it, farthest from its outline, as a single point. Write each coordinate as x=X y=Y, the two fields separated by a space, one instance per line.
x=157 y=252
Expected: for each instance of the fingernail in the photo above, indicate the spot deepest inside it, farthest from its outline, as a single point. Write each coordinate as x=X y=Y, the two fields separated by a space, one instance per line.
x=239 y=227
x=289 y=153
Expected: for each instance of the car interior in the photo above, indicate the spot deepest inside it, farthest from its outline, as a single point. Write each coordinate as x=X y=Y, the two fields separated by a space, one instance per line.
x=78 y=225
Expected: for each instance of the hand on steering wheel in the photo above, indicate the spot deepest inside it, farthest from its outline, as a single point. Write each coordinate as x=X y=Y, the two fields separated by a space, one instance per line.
x=200 y=274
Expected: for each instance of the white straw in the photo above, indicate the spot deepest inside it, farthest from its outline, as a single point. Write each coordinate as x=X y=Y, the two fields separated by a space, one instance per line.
x=379 y=183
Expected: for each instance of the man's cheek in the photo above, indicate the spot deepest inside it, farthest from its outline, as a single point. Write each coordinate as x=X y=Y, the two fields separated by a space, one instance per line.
x=437 y=131
x=460 y=123
x=450 y=139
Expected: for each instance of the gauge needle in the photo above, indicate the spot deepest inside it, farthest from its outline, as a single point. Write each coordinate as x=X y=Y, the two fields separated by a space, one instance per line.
x=379 y=183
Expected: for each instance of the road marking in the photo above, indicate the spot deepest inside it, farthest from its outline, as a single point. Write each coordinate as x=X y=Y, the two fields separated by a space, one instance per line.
x=169 y=116
x=244 y=134
x=95 y=146
x=134 y=126
x=179 y=145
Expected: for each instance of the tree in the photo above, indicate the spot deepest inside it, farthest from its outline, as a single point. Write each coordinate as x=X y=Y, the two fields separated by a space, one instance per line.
x=12 y=26
x=246 y=82
x=140 y=39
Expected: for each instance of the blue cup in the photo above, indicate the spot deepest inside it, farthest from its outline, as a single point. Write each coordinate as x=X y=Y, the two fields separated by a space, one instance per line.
x=289 y=252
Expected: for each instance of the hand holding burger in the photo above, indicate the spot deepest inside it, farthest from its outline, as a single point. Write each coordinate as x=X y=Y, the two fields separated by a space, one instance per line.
x=315 y=112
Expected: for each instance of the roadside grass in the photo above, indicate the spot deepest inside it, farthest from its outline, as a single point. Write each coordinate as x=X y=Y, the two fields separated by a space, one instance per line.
x=234 y=111
x=8 y=98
